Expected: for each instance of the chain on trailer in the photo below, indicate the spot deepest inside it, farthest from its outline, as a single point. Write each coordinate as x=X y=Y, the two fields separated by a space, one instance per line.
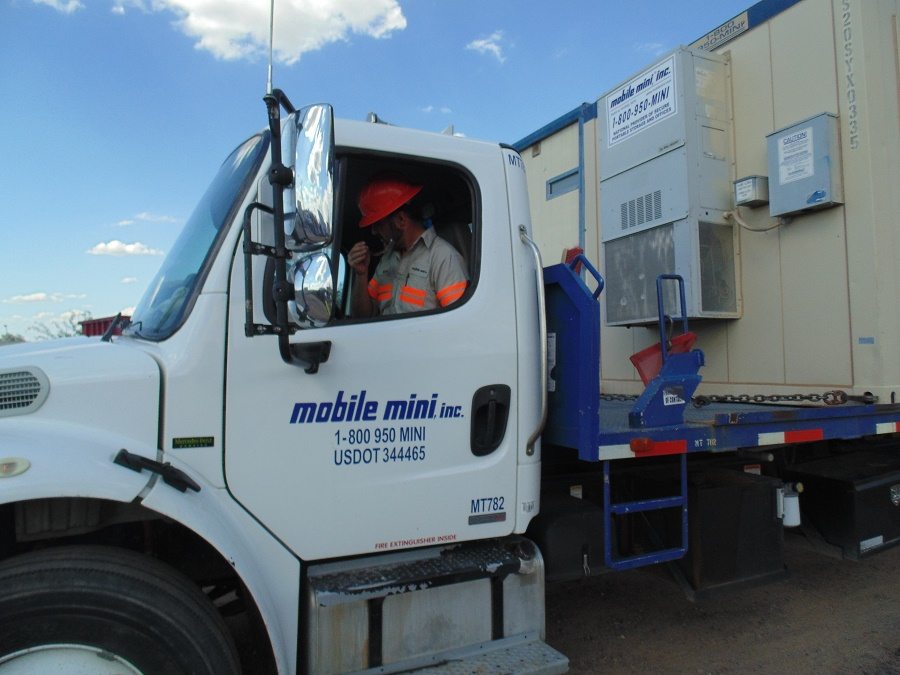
x=828 y=398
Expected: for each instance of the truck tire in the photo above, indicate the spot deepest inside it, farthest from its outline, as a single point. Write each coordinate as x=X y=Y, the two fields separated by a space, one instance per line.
x=65 y=606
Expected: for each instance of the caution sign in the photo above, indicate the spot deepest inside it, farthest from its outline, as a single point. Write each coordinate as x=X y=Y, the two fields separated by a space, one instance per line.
x=795 y=156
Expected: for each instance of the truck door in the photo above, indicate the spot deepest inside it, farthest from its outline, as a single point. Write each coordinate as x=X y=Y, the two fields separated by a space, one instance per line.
x=407 y=435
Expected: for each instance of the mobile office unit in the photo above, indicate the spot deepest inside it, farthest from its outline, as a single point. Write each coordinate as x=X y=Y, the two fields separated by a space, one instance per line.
x=796 y=97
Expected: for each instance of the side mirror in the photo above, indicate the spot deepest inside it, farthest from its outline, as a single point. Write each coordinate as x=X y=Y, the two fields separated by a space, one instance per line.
x=313 y=302
x=301 y=174
x=308 y=142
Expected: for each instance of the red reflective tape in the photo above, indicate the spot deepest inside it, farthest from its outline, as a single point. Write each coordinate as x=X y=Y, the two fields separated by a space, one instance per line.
x=453 y=289
x=380 y=291
x=418 y=302
x=647 y=447
x=418 y=292
x=803 y=436
x=450 y=298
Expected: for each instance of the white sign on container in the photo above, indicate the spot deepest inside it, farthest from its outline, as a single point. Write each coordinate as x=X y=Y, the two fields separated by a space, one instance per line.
x=724 y=33
x=795 y=156
x=642 y=102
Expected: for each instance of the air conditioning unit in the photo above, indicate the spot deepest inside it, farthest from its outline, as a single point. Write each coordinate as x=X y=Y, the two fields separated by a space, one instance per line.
x=665 y=172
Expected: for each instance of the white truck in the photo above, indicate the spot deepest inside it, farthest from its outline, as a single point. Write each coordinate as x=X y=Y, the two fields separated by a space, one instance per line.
x=364 y=492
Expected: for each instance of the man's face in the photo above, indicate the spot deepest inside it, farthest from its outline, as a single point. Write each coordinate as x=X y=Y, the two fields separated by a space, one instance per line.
x=387 y=230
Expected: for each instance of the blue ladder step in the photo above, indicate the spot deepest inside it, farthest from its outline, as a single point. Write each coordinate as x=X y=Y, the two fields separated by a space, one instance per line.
x=642 y=506
x=644 y=559
x=648 y=505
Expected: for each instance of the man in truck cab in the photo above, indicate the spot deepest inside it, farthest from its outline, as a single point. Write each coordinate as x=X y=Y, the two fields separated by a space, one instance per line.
x=418 y=269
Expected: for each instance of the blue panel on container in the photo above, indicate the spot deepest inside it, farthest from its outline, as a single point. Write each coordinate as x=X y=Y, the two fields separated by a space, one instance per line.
x=573 y=330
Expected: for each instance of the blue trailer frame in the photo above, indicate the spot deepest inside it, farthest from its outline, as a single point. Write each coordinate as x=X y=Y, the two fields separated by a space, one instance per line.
x=662 y=421
x=600 y=429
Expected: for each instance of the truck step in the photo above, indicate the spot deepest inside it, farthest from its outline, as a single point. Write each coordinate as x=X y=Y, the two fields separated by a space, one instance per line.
x=478 y=607
x=522 y=654
x=413 y=570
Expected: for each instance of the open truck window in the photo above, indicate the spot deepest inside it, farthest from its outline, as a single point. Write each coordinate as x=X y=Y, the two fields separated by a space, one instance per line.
x=446 y=205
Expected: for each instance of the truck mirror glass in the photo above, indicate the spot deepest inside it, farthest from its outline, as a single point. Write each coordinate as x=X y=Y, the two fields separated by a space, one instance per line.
x=308 y=142
x=341 y=285
x=313 y=302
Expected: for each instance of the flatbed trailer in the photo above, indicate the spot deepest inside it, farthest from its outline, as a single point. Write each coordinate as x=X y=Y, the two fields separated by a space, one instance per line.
x=605 y=430
x=604 y=426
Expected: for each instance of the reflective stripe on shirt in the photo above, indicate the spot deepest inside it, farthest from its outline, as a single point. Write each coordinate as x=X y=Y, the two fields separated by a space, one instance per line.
x=380 y=292
x=451 y=293
x=413 y=296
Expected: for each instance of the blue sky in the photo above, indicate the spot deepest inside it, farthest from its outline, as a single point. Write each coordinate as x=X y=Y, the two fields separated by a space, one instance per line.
x=114 y=114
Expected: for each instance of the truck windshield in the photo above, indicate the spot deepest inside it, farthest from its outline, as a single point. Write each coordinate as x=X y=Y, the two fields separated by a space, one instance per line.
x=170 y=297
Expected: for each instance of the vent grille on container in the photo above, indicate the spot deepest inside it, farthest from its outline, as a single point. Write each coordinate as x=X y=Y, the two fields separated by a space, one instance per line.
x=641 y=210
x=22 y=391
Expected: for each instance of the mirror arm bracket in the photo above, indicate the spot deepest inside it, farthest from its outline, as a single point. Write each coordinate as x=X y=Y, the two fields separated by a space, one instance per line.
x=273 y=102
x=252 y=248
x=280 y=98
x=310 y=354
x=281 y=175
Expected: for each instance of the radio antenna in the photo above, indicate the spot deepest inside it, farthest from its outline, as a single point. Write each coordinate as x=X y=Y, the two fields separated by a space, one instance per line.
x=271 y=41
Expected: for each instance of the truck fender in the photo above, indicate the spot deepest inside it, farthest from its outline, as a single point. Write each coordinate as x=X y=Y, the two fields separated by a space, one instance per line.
x=270 y=572
x=65 y=460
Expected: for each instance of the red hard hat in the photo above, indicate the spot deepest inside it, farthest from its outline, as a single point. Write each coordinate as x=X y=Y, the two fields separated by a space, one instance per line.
x=382 y=196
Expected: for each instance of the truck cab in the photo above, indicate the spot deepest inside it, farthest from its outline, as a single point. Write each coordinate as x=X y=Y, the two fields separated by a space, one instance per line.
x=251 y=438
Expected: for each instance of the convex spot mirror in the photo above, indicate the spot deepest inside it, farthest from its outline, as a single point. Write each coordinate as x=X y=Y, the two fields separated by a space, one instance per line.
x=308 y=144
x=313 y=302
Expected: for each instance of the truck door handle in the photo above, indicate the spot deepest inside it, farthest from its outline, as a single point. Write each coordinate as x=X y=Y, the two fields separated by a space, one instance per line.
x=490 y=412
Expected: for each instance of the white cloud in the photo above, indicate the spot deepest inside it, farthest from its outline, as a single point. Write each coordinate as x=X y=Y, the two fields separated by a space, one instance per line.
x=30 y=297
x=118 y=248
x=43 y=297
x=128 y=311
x=146 y=217
x=236 y=29
x=444 y=110
x=492 y=45
x=154 y=218
x=654 y=48
x=129 y=280
x=119 y=6
x=67 y=7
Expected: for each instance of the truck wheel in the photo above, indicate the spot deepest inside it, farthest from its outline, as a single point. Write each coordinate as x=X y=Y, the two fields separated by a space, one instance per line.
x=103 y=610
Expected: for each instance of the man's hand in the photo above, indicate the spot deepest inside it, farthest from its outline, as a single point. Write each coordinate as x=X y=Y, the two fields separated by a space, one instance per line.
x=358 y=258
